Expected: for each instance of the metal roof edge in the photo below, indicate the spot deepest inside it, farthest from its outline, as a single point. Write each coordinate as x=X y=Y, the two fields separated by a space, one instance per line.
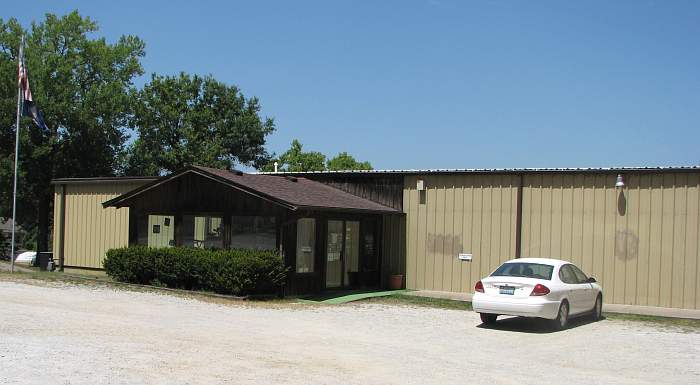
x=492 y=170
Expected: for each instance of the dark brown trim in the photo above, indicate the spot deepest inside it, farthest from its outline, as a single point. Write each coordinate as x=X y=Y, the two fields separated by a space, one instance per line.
x=179 y=229
x=519 y=217
x=85 y=268
x=62 y=235
x=389 y=210
x=116 y=179
x=133 y=227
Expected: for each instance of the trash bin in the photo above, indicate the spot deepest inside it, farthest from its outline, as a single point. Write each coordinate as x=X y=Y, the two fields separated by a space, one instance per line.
x=43 y=258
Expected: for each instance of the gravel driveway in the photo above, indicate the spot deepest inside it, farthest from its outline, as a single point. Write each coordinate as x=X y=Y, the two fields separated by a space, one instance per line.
x=61 y=333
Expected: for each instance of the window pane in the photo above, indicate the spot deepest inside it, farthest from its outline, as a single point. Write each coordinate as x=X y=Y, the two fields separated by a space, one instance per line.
x=580 y=276
x=334 y=252
x=566 y=274
x=524 y=269
x=202 y=231
x=253 y=232
x=306 y=240
x=352 y=252
x=156 y=230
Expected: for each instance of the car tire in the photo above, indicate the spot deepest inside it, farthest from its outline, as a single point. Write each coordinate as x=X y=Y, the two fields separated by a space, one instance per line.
x=487 y=318
x=562 y=320
x=597 y=312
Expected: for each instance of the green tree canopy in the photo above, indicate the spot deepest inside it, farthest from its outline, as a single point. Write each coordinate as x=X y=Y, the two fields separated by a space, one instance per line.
x=83 y=85
x=345 y=161
x=295 y=159
x=182 y=120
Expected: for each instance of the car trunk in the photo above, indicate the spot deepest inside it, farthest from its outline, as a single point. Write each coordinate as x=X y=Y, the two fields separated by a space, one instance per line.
x=502 y=286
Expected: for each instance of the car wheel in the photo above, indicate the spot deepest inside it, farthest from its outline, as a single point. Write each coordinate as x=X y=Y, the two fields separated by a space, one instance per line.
x=562 y=320
x=487 y=318
x=598 y=309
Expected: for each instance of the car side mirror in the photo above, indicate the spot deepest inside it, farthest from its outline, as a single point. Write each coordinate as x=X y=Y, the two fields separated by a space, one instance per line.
x=591 y=280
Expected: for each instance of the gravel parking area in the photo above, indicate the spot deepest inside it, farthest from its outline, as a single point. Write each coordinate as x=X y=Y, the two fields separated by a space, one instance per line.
x=61 y=333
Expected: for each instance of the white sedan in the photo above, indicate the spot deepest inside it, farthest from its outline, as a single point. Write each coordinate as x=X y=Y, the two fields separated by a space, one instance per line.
x=538 y=287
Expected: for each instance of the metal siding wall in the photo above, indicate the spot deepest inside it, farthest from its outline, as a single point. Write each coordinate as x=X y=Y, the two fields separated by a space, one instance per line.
x=641 y=245
x=461 y=213
x=91 y=230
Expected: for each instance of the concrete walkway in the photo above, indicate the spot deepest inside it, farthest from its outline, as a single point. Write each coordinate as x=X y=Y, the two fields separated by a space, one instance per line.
x=607 y=307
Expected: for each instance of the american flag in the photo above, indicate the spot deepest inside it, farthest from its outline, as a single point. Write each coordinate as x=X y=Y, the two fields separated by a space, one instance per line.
x=29 y=108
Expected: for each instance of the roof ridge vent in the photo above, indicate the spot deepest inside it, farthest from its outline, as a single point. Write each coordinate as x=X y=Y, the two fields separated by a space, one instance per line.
x=291 y=178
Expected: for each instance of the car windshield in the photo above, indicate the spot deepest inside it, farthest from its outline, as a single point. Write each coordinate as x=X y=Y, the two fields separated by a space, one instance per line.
x=524 y=269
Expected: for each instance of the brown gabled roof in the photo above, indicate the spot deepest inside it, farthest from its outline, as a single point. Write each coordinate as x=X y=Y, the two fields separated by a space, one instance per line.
x=290 y=192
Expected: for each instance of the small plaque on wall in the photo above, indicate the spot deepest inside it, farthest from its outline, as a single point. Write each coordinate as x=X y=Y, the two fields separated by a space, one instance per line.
x=464 y=257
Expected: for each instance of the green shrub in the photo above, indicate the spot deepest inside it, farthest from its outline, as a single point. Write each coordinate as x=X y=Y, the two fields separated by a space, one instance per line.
x=237 y=272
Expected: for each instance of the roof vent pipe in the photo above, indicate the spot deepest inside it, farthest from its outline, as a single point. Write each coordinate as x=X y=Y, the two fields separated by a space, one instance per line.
x=276 y=166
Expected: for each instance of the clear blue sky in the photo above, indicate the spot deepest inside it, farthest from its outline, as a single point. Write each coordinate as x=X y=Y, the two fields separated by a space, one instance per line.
x=437 y=83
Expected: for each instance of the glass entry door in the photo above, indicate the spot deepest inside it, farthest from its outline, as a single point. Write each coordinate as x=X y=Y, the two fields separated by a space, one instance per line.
x=342 y=253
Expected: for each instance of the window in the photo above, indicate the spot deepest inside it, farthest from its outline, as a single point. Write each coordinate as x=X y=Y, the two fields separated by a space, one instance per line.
x=306 y=241
x=202 y=231
x=567 y=275
x=155 y=230
x=580 y=276
x=253 y=232
x=524 y=269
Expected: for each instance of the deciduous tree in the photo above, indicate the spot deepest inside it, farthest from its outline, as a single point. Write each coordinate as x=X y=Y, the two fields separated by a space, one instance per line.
x=183 y=120
x=345 y=161
x=84 y=86
x=295 y=159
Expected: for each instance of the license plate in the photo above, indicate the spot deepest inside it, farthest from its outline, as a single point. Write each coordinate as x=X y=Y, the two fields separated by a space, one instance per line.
x=509 y=290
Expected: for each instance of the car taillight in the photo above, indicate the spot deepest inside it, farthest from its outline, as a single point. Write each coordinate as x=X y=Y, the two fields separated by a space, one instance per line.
x=540 y=289
x=479 y=287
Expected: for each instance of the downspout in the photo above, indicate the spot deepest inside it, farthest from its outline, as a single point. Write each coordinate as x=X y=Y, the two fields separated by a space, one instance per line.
x=519 y=217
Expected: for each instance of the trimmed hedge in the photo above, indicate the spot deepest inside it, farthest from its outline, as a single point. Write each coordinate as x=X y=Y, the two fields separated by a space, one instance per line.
x=237 y=271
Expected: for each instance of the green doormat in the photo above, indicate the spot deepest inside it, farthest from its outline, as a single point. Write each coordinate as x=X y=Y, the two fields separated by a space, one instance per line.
x=340 y=299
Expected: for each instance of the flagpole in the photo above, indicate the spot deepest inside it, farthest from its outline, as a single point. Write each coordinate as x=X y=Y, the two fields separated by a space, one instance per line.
x=14 y=192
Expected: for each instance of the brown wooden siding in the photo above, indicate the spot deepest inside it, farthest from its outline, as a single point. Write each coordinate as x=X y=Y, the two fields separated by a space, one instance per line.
x=194 y=193
x=387 y=190
x=393 y=246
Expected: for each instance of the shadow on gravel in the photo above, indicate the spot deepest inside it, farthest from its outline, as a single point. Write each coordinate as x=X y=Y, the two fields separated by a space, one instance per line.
x=533 y=325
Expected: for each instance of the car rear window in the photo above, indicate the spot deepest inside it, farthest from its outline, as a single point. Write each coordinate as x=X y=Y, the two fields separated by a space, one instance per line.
x=524 y=269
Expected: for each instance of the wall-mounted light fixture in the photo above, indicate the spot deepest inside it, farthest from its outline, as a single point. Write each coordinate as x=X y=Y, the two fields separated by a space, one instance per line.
x=620 y=181
x=420 y=186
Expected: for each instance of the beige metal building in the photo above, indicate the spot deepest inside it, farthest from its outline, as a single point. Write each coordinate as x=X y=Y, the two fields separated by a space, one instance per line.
x=640 y=241
x=83 y=231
